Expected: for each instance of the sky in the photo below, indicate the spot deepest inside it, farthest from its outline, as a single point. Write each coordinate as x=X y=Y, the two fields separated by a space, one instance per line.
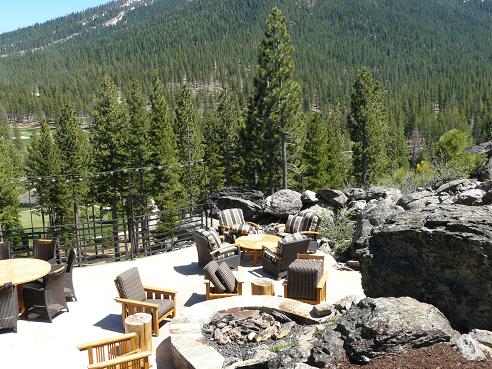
x=16 y=14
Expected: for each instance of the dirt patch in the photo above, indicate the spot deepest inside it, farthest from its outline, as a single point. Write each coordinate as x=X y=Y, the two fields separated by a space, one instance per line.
x=440 y=356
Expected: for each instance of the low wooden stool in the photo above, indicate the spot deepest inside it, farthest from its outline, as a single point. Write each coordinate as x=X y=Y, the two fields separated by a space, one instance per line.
x=141 y=324
x=263 y=286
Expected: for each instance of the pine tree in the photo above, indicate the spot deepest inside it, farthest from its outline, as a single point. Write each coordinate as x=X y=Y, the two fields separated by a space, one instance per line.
x=166 y=188
x=338 y=145
x=275 y=110
x=367 y=123
x=215 y=163
x=44 y=168
x=190 y=145
x=10 y=186
x=397 y=146
x=109 y=140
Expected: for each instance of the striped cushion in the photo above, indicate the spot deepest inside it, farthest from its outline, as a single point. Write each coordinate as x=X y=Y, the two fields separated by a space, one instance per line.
x=242 y=229
x=303 y=277
x=226 y=277
x=230 y=217
x=294 y=224
x=212 y=237
x=227 y=252
x=311 y=221
x=271 y=255
x=210 y=271
x=130 y=286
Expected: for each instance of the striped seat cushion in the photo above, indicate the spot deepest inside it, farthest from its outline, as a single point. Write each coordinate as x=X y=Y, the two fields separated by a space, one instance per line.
x=227 y=252
x=287 y=239
x=213 y=238
x=242 y=229
x=226 y=277
x=294 y=224
x=303 y=277
x=271 y=255
x=210 y=271
x=130 y=286
x=311 y=221
x=229 y=217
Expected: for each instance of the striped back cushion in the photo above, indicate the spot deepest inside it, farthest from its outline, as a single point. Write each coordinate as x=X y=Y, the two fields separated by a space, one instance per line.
x=311 y=221
x=294 y=224
x=130 y=286
x=210 y=271
x=212 y=237
x=303 y=277
x=242 y=229
x=229 y=217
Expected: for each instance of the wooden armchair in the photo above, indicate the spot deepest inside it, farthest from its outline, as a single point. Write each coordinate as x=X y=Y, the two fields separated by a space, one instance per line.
x=116 y=353
x=232 y=224
x=300 y=274
x=211 y=292
x=305 y=223
x=135 y=298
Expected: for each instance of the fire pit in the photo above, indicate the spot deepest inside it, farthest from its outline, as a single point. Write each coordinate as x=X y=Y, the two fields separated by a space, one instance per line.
x=215 y=332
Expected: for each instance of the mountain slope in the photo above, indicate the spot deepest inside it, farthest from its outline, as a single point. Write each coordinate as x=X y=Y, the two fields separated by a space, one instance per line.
x=431 y=51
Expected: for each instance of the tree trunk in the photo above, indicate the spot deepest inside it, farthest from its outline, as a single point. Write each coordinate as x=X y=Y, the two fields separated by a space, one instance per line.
x=114 y=216
x=284 y=161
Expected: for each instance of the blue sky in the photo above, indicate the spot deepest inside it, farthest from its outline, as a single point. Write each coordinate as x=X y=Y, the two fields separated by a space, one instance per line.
x=22 y=13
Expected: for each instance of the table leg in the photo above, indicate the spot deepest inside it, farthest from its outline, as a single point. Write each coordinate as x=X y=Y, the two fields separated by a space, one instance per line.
x=20 y=299
x=254 y=255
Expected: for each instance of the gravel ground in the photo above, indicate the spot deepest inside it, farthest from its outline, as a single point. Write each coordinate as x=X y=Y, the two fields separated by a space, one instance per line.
x=440 y=356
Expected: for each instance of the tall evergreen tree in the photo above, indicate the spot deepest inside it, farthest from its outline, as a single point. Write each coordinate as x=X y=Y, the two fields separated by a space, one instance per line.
x=166 y=188
x=10 y=186
x=397 y=146
x=189 y=136
x=367 y=123
x=214 y=136
x=44 y=168
x=109 y=140
x=275 y=112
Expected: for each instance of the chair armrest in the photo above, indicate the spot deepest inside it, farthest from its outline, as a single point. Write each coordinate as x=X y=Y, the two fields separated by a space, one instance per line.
x=106 y=341
x=310 y=233
x=322 y=280
x=142 y=304
x=162 y=291
x=279 y=228
x=120 y=360
x=222 y=248
x=257 y=226
x=240 y=277
x=223 y=226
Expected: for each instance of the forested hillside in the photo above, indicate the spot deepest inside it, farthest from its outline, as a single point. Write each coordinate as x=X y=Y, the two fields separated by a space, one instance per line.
x=431 y=55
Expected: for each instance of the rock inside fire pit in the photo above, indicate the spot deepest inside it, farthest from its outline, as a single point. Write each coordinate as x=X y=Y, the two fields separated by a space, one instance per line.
x=246 y=326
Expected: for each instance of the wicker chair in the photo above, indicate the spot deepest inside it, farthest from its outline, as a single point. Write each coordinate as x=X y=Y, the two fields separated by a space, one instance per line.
x=48 y=295
x=44 y=249
x=276 y=262
x=135 y=298
x=230 y=254
x=306 y=280
x=9 y=308
x=116 y=353
x=306 y=223
x=68 y=281
x=211 y=280
x=232 y=224
x=4 y=250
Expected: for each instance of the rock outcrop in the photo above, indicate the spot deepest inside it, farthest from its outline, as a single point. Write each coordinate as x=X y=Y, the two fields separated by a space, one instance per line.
x=441 y=255
x=283 y=203
x=234 y=197
x=382 y=326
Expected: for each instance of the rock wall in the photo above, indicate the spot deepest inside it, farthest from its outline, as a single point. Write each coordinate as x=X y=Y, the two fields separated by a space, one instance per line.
x=441 y=255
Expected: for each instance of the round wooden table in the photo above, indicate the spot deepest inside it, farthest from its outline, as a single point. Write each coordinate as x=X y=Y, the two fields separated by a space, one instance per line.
x=20 y=271
x=254 y=244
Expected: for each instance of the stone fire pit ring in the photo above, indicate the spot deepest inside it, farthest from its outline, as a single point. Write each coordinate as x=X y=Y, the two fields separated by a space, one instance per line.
x=191 y=350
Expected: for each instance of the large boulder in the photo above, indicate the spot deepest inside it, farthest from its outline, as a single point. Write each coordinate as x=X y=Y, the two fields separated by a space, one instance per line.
x=471 y=197
x=309 y=197
x=440 y=255
x=325 y=211
x=391 y=195
x=418 y=200
x=328 y=350
x=234 y=197
x=283 y=203
x=381 y=326
x=333 y=197
x=355 y=193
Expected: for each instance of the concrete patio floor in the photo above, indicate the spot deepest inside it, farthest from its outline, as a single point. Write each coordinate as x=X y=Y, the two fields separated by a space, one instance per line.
x=40 y=344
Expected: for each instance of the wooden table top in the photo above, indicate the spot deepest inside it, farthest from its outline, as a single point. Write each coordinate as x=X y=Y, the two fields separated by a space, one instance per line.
x=21 y=270
x=256 y=242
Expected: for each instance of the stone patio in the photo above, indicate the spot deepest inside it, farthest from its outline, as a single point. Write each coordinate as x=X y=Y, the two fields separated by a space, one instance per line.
x=96 y=315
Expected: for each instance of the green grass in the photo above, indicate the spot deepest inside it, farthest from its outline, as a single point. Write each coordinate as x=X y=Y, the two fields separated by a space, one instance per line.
x=25 y=218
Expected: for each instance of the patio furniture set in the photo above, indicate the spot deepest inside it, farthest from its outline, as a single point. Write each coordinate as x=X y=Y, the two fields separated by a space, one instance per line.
x=38 y=284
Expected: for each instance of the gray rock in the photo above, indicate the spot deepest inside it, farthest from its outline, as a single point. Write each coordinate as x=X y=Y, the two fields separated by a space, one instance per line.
x=283 y=203
x=234 y=197
x=471 y=197
x=309 y=197
x=346 y=303
x=442 y=256
x=355 y=193
x=391 y=195
x=334 y=197
x=482 y=336
x=381 y=326
x=328 y=351
x=416 y=200
x=482 y=149
x=452 y=186
x=469 y=349
x=325 y=211
x=355 y=208
x=323 y=309
x=485 y=173
x=353 y=264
